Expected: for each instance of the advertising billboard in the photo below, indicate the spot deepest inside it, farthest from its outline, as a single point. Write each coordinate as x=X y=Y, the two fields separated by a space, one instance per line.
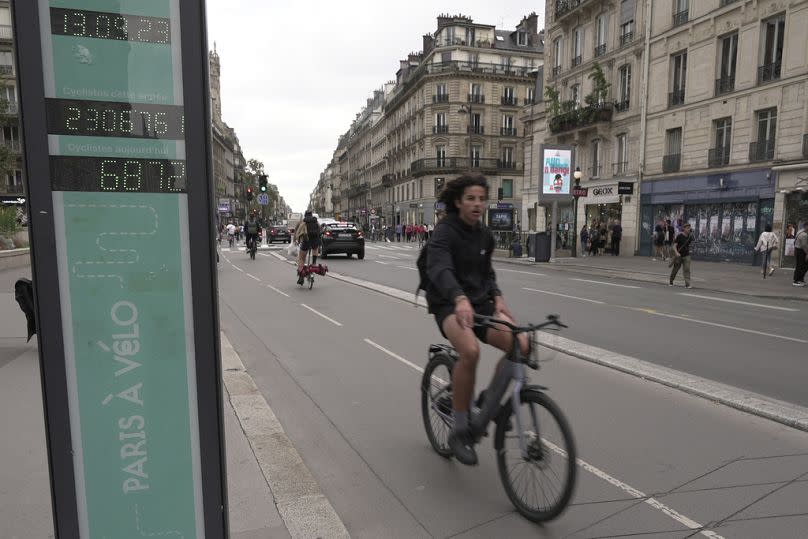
x=556 y=171
x=500 y=219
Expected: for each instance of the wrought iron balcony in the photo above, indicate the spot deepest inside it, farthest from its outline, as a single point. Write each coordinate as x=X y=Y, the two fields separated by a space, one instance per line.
x=769 y=72
x=509 y=100
x=529 y=101
x=723 y=3
x=626 y=38
x=724 y=85
x=16 y=189
x=676 y=98
x=762 y=150
x=476 y=98
x=446 y=165
x=556 y=70
x=440 y=98
x=600 y=50
x=576 y=61
x=621 y=106
x=680 y=18
x=581 y=117
x=503 y=164
x=620 y=168
x=594 y=170
x=388 y=180
x=6 y=33
x=565 y=7
x=507 y=131
x=718 y=157
x=440 y=129
x=671 y=163
x=6 y=70
x=475 y=129
x=13 y=145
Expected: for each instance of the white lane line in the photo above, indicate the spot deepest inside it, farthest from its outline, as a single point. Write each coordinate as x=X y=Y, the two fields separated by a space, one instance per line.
x=238 y=268
x=717 y=325
x=656 y=504
x=565 y=296
x=604 y=282
x=279 y=257
x=388 y=256
x=520 y=271
x=253 y=277
x=383 y=263
x=321 y=314
x=408 y=267
x=281 y=292
x=741 y=302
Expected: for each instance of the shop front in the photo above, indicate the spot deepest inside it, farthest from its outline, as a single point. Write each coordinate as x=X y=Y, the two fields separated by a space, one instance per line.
x=607 y=204
x=726 y=212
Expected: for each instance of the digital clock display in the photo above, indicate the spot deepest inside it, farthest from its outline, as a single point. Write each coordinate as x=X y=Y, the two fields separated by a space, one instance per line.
x=117 y=175
x=116 y=26
x=114 y=119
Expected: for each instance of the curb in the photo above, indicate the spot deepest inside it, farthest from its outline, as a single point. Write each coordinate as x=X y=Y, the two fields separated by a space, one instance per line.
x=305 y=511
x=746 y=401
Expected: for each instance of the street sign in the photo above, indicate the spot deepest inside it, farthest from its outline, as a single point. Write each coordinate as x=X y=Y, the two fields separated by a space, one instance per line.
x=263 y=199
x=578 y=191
x=625 y=188
x=116 y=124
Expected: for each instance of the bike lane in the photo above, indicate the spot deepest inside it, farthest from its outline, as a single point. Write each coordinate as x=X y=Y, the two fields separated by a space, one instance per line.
x=655 y=461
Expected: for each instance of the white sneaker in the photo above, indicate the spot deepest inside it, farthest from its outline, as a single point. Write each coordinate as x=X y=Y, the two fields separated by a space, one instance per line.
x=798 y=284
x=771 y=270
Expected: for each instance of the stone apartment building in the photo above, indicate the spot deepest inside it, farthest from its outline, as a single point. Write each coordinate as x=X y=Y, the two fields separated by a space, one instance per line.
x=12 y=191
x=453 y=107
x=705 y=116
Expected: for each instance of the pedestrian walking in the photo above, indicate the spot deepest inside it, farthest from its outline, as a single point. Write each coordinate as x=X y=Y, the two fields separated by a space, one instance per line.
x=670 y=237
x=801 y=255
x=617 y=235
x=659 y=241
x=594 y=239
x=429 y=229
x=681 y=259
x=584 y=240
x=398 y=232
x=603 y=237
x=767 y=243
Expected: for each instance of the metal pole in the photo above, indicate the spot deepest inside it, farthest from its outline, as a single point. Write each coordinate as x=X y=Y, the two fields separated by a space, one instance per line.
x=553 y=226
x=575 y=227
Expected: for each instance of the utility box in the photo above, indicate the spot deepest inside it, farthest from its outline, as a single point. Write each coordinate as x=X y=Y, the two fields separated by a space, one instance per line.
x=541 y=247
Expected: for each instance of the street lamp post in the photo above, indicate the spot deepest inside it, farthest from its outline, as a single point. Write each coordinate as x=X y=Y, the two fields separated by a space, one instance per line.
x=576 y=193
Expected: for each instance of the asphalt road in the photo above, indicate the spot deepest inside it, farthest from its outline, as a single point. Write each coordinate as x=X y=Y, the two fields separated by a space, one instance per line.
x=759 y=345
x=339 y=366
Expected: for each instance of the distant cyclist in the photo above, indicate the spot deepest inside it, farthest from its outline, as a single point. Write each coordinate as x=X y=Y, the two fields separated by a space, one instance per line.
x=251 y=229
x=308 y=234
x=462 y=283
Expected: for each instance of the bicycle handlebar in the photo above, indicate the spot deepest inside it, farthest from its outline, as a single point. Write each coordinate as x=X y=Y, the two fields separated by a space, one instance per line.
x=490 y=321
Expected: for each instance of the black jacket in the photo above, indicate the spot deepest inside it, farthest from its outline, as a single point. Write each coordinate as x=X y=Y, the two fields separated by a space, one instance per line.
x=459 y=263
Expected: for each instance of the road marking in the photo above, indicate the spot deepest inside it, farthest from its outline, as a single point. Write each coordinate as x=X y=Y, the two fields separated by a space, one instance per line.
x=253 y=277
x=383 y=263
x=408 y=267
x=238 y=268
x=388 y=256
x=741 y=302
x=656 y=504
x=279 y=257
x=565 y=296
x=321 y=314
x=716 y=324
x=604 y=282
x=519 y=271
x=282 y=293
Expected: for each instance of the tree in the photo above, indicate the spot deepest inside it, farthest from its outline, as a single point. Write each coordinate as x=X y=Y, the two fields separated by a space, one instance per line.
x=8 y=161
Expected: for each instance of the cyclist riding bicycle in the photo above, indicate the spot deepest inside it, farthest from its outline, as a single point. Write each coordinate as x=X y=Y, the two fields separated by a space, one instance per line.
x=462 y=283
x=308 y=234
x=251 y=229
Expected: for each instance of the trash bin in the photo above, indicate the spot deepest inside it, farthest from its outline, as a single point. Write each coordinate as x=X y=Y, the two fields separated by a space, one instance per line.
x=541 y=247
x=530 y=246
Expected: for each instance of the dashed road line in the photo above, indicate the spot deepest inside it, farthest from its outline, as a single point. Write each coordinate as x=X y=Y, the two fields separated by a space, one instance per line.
x=565 y=296
x=238 y=268
x=408 y=267
x=789 y=309
x=253 y=277
x=604 y=282
x=520 y=271
x=281 y=292
x=321 y=314
x=382 y=263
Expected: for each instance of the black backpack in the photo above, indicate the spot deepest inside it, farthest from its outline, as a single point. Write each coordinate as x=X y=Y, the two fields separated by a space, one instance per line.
x=423 y=277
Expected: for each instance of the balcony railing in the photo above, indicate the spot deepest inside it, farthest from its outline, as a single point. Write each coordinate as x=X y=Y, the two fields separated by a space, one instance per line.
x=761 y=151
x=600 y=50
x=440 y=98
x=581 y=117
x=769 y=72
x=556 y=70
x=680 y=18
x=509 y=100
x=431 y=165
x=563 y=7
x=671 y=163
x=5 y=32
x=11 y=108
x=388 y=180
x=718 y=157
x=805 y=146
x=6 y=70
x=12 y=189
x=676 y=98
x=13 y=145
x=577 y=61
x=725 y=85
x=476 y=98
x=507 y=131
x=620 y=168
x=723 y=3
x=595 y=170
x=475 y=129
x=440 y=129
x=621 y=106
x=626 y=38
x=529 y=101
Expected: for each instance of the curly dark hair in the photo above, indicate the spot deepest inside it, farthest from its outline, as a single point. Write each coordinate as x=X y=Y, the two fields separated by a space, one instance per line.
x=454 y=189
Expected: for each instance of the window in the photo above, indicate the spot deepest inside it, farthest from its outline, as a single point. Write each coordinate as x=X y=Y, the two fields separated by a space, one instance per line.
x=470 y=36
x=476 y=153
x=439 y=183
x=507 y=121
x=728 y=51
x=450 y=35
x=509 y=96
x=678 y=79
x=507 y=188
x=475 y=95
x=680 y=12
x=521 y=38
x=6 y=63
x=407 y=193
x=474 y=59
x=505 y=62
x=621 y=158
x=577 y=46
x=575 y=95
x=719 y=155
x=594 y=172
x=626 y=33
x=773 y=31
x=600 y=34
x=623 y=88
x=421 y=188
x=441 y=94
x=14 y=179
x=440 y=123
x=530 y=95
x=763 y=148
x=440 y=156
x=557 y=51
x=673 y=150
x=11 y=133
x=507 y=157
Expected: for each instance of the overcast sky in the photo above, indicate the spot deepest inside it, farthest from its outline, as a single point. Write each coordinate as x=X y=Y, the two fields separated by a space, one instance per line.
x=295 y=73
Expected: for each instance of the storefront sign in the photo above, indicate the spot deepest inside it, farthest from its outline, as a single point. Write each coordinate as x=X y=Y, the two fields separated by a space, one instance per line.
x=603 y=191
x=625 y=188
x=504 y=206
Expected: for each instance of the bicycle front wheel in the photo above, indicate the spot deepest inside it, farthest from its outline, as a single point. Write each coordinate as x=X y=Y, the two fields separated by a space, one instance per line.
x=540 y=483
x=436 y=403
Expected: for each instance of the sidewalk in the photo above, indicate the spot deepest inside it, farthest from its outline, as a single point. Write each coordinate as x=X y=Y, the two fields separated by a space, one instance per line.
x=726 y=277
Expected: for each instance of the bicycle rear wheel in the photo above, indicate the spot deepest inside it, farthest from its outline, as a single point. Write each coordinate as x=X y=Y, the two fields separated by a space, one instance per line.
x=436 y=403
x=540 y=485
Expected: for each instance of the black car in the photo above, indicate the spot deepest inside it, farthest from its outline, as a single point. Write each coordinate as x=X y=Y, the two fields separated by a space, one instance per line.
x=342 y=238
x=278 y=233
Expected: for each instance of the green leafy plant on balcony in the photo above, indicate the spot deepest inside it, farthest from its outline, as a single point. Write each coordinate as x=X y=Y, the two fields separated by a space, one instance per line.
x=8 y=227
x=553 y=101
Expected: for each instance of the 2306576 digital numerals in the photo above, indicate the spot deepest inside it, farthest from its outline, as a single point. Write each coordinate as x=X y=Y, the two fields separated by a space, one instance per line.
x=118 y=174
x=114 y=119
x=115 y=26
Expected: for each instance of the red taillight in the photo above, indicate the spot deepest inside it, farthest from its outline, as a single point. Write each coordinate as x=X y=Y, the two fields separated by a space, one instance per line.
x=358 y=234
x=327 y=234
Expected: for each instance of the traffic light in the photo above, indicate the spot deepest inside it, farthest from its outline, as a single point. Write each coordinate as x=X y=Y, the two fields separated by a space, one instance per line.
x=249 y=193
x=500 y=193
x=262 y=183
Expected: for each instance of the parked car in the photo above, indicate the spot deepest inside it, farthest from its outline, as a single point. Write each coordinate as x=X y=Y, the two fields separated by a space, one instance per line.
x=278 y=233
x=341 y=237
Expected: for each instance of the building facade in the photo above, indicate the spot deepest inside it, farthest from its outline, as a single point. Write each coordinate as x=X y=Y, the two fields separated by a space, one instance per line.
x=12 y=190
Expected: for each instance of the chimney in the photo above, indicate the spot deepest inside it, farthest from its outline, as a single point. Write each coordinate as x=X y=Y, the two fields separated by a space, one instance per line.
x=429 y=43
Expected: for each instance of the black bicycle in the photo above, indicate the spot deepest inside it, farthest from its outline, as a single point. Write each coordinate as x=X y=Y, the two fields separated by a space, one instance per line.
x=535 y=448
x=252 y=247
